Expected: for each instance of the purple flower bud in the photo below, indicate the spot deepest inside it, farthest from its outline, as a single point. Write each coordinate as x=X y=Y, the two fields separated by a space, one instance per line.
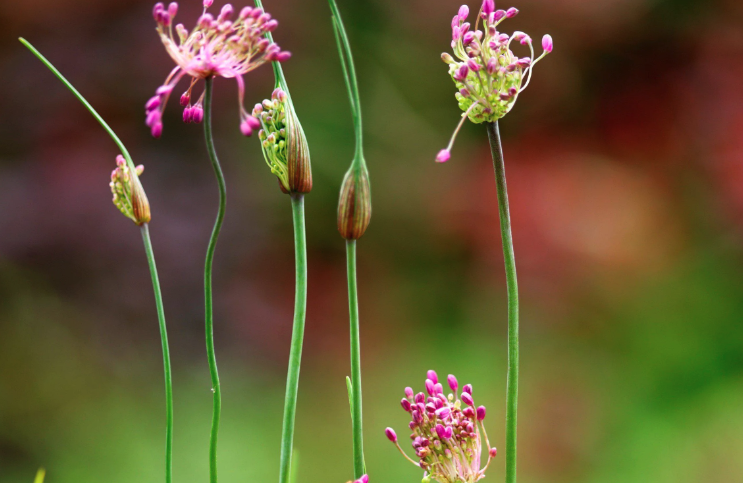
x=547 y=43
x=283 y=56
x=271 y=25
x=512 y=12
x=198 y=114
x=469 y=412
x=420 y=397
x=438 y=403
x=455 y=21
x=246 y=129
x=153 y=103
x=464 y=92
x=443 y=156
x=226 y=13
x=429 y=387
x=481 y=413
x=467 y=398
x=524 y=62
x=391 y=434
x=492 y=65
x=409 y=392
x=208 y=3
x=187 y=115
x=153 y=117
x=488 y=7
x=464 y=10
x=438 y=388
x=461 y=73
x=443 y=413
x=493 y=452
x=473 y=65
x=412 y=425
x=164 y=90
x=172 y=9
x=468 y=37
x=431 y=374
x=245 y=12
x=448 y=432
x=157 y=130
x=256 y=12
x=503 y=38
x=441 y=431
x=417 y=416
x=470 y=427
x=159 y=7
x=467 y=388
x=453 y=384
x=464 y=28
x=525 y=40
x=499 y=14
x=456 y=33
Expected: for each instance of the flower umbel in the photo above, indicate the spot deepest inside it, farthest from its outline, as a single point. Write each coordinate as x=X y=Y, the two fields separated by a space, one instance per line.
x=129 y=196
x=486 y=71
x=283 y=142
x=447 y=432
x=216 y=47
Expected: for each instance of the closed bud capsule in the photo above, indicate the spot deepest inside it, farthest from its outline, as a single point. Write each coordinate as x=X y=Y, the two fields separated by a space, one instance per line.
x=354 y=205
x=297 y=154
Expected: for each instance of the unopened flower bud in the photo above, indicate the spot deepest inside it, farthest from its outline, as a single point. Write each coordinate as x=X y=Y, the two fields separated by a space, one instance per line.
x=481 y=413
x=405 y=404
x=128 y=194
x=453 y=384
x=512 y=12
x=467 y=399
x=547 y=44
x=493 y=452
x=391 y=435
x=409 y=392
x=467 y=388
x=354 y=204
x=433 y=376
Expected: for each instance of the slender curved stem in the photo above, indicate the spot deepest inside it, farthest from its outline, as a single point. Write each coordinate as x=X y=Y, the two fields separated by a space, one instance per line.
x=295 y=352
x=512 y=389
x=349 y=73
x=104 y=124
x=209 y=312
x=359 y=466
x=166 y=354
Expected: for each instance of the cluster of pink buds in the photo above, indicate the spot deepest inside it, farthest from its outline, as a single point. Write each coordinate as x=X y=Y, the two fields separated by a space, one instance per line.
x=217 y=47
x=447 y=432
x=487 y=73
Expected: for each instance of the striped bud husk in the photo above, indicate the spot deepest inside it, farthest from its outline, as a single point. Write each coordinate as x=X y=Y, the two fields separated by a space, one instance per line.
x=297 y=155
x=354 y=205
x=140 y=203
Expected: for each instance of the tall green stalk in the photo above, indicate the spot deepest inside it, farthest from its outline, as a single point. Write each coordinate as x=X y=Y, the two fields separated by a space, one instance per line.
x=151 y=261
x=166 y=354
x=295 y=352
x=359 y=468
x=512 y=389
x=208 y=300
x=357 y=172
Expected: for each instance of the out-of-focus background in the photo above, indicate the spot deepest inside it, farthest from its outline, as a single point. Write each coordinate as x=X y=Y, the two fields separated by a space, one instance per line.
x=625 y=169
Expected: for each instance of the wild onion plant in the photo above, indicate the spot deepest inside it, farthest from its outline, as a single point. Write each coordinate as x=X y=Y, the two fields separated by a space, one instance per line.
x=490 y=77
x=216 y=47
x=447 y=432
x=130 y=198
x=285 y=150
x=354 y=214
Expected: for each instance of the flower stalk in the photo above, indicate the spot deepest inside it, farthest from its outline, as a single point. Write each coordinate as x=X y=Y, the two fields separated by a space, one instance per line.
x=354 y=215
x=130 y=198
x=285 y=149
x=512 y=389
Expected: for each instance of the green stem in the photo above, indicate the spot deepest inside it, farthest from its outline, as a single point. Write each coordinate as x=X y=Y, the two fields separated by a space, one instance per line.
x=85 y=103
x=349 y=73
x=295 y=352
x=512 y=390
x=166 y=355
x=216 y=390
x=359 y=466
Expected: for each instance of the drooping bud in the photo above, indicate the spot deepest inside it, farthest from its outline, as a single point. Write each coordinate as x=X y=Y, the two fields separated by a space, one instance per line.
x=285 y=144
x=391 y=435
x=354 y=204
x=128 y=194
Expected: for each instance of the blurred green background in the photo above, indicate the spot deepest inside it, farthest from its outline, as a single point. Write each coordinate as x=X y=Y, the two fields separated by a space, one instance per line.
x=625 y=167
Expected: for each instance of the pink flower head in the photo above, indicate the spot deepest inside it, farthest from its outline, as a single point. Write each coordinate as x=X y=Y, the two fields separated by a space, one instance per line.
x=487 y=73
x=216 y=47
x=448 y=440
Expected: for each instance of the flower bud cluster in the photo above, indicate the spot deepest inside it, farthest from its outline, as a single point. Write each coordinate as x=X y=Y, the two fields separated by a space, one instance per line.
x=226 y=46
x=447 y=431
x=283 y=142
x=128 y=194
x=489 y=76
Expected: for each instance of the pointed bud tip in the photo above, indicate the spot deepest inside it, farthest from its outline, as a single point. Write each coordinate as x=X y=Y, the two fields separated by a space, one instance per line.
x=391 y=435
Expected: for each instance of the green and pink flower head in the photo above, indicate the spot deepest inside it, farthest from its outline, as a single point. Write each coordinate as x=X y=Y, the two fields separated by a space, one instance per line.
x=487 y=73
x=224 y=46
x=447 y=432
